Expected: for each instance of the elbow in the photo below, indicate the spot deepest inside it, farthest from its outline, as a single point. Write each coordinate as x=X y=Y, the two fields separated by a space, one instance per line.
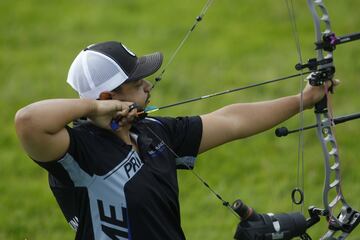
x=23 y=120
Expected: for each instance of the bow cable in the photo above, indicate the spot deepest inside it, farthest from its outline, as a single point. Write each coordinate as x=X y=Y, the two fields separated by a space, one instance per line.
x=300 y=158
x=158 y=78
x=218 y=196
x=153 y=109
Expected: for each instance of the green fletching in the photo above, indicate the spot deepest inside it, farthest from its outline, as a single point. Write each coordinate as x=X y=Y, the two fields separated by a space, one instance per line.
x=150 y=109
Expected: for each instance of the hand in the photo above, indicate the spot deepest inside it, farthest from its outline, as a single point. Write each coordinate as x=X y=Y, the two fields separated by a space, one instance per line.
x=313 y=94
x=107 y=110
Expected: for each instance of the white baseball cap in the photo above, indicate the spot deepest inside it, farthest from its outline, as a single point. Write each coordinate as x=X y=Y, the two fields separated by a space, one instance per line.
x=105 y=66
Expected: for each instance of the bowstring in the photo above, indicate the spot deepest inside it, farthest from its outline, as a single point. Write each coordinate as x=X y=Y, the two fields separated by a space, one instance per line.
x=300 y=162
x=184 y=39
x=216 y=194
x=300 y=156
x=159 y=77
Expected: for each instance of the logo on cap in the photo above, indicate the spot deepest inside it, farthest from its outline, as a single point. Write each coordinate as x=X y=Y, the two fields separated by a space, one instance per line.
x=128 y=50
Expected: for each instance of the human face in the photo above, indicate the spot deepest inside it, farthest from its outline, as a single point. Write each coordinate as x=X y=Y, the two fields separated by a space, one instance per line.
x=135 y=91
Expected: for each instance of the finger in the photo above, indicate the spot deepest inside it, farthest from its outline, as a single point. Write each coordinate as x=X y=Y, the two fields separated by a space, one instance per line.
x=130 y=106
x=332 y=83
x=336 y=82
x=132 y=113
x=118 y=121
x=133 y=106
x=120 y=106
x=125 y=114
x=130 y=118
x=125 y=122
x=118 y=115
x=131 y=109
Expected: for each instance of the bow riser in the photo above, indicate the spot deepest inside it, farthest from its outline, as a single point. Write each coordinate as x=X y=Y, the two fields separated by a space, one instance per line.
x=347 y=219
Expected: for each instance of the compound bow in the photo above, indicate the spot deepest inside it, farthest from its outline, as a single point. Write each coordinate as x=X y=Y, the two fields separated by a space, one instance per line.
x=348 y=218
x=341 y=217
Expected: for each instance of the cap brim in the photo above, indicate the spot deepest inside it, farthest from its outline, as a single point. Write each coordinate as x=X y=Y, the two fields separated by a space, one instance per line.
x=146 y=66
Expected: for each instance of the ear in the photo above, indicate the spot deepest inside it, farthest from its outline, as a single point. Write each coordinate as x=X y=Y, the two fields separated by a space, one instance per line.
x=105 y=95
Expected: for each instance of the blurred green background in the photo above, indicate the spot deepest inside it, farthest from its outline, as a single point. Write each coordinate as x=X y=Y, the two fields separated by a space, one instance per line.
x=237 y=43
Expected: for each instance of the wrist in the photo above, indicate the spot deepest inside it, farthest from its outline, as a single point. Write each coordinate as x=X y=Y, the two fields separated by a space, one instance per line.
x=303 y=100
x=91 y=106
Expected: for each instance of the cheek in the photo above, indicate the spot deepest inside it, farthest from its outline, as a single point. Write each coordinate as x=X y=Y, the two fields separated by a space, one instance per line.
x=136 y=97
x=133 y=95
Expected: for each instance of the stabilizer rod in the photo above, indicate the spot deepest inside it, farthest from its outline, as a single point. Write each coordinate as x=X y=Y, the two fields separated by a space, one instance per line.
x=283 y=131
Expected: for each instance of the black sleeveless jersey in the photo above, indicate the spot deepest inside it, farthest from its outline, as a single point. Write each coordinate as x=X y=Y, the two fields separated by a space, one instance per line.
x=106 y=190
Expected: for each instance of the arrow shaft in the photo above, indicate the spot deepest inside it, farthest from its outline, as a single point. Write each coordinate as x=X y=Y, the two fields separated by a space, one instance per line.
x=231 y=91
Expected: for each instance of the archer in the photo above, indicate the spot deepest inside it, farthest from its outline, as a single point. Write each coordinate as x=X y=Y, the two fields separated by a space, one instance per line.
x=114 y=172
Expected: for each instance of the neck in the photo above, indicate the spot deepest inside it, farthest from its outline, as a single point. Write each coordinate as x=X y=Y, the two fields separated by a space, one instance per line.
x=124 y=134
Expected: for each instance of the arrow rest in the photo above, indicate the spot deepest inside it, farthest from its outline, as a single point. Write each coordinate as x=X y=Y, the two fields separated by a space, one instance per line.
x=319 y=77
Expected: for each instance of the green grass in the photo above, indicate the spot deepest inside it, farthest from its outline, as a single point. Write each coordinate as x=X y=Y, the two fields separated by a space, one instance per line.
x=237 y=43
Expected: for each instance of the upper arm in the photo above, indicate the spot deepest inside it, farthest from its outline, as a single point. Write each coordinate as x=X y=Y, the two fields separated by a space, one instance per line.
x=218 y=128
x=39 y=144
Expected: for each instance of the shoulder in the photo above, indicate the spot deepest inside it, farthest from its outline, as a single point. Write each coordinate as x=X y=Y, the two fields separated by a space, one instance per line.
x=171 y=121
x=177 y=127
x=87 y=128
x=85 y=136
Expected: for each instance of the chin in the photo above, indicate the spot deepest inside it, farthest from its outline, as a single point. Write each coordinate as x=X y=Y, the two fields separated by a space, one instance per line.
x=141 y=107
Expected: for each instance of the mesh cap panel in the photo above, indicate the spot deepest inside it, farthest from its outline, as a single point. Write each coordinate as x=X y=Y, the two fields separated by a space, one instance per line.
x=77 y=72
x=92 y=73
x=101 y=68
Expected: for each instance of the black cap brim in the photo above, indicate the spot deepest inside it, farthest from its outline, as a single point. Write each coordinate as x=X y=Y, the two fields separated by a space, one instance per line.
x=146 y=66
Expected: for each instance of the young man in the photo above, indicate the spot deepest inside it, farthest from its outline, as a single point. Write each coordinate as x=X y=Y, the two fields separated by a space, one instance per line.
x=114 y=174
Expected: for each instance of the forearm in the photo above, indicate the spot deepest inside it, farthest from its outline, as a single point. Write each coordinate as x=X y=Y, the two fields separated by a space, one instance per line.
x=252 y=118
x=246 y=119
x=50 y=116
